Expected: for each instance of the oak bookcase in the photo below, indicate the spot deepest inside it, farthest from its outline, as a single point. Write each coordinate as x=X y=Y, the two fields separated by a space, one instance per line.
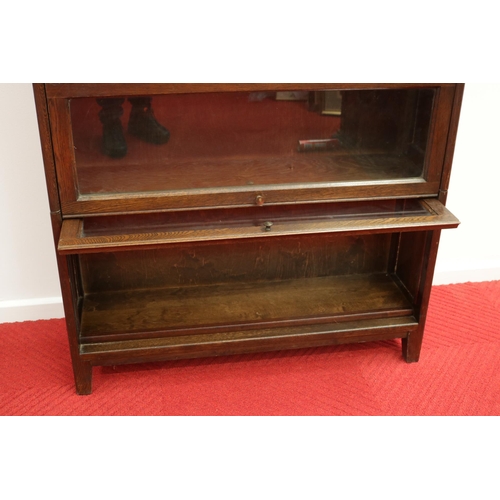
x=209 y=219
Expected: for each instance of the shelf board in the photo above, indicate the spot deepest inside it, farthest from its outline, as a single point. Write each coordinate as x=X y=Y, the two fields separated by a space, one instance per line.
x=202 y=309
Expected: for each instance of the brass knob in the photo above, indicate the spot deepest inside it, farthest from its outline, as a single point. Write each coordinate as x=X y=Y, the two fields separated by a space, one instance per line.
x=267 y=226
x=259 y=200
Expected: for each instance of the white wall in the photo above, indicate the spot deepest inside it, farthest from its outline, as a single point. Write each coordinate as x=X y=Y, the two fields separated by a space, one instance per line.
x=472 y=252
x=29 y=286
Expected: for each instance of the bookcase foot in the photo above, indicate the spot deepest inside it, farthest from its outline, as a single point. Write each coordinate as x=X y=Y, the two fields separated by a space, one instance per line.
x=83 y=378
x=411 y=346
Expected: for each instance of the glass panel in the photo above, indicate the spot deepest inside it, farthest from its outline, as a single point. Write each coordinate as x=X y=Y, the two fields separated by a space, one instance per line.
x=245 y=217
x=241 y=139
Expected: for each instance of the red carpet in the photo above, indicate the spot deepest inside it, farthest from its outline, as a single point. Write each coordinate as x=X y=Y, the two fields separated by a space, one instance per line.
x=458 y=373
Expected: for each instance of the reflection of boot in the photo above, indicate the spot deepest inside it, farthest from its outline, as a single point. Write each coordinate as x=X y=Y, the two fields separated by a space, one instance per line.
x=143 y=124
x=113 y=140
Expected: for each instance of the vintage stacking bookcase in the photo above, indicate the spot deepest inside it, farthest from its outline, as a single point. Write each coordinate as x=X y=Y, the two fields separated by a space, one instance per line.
x=211 y=219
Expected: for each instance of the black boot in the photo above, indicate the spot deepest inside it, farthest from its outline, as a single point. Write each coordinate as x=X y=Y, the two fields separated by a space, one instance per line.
x=113 y=140
x=143 y=124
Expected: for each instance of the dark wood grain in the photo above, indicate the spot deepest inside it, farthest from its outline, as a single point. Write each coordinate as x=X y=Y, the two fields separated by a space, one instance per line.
x=235 y=262
x=301 y=300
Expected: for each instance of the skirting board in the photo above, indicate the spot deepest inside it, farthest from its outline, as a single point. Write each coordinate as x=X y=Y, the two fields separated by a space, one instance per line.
x=51 y=307
x=12 y=311
x=465 y=270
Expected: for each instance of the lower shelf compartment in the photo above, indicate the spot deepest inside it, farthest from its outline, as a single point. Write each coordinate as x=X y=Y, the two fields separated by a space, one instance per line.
x=173 y=311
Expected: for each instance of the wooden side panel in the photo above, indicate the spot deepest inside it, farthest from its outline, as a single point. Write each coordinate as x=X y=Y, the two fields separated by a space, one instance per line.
x=411 y=255
x=450 y=145
x=46 y=144
x=63 y=150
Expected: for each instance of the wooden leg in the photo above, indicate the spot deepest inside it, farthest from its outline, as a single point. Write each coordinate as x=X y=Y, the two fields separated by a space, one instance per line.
x=412 y=345
x=413 y=342
x=83 y=377
x=71 y=291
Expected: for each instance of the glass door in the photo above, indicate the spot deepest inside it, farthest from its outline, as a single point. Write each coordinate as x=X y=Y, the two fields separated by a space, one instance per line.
x=243 y=148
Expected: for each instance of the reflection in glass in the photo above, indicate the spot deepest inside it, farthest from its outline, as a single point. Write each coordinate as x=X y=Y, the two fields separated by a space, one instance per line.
x=141 y=124
x=235 y=139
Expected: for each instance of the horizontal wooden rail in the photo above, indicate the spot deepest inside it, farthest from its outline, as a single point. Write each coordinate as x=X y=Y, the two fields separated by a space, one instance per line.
x=74 y=241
